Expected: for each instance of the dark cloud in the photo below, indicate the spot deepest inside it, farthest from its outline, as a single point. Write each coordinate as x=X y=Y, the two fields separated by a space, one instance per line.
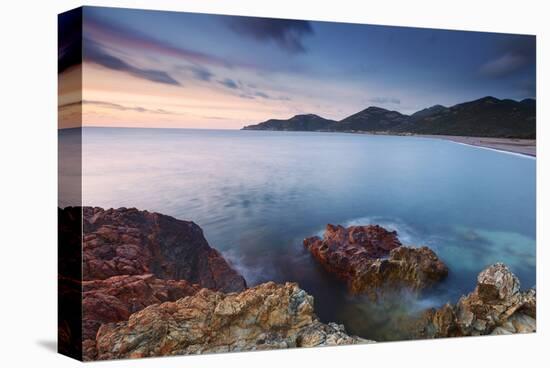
x=385 y=100
x=263 y=95
x=197 y=72
x=229 y=83
x=248 y=97
x=286 y=33
x=514 y=55
x=269 y=97
x=69 y=39
x=249 y=93
x=95 y=53
x=126 y=108
x=135 y=38
x=201 y=73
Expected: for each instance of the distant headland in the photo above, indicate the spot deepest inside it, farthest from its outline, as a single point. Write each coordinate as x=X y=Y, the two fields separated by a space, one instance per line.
x=484 y=117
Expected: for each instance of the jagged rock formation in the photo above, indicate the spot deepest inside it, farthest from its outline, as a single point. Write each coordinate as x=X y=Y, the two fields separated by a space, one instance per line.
x=370 y=259
x=268 y=316
x=116 y=298
x=484 y=117
x=127 y=241
x=153 y=286
x=496 y=306
x=132 y=259
x=144 y=271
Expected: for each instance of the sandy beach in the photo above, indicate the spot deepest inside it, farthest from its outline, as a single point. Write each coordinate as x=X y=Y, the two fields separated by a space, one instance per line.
x=522 y=146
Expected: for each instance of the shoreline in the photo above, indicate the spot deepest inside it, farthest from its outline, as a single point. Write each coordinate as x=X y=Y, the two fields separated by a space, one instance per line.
x=516 y=146
x=523 y=147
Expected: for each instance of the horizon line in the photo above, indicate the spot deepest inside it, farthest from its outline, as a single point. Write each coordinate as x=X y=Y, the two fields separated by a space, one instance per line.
x=140 y=127
x=305 y=113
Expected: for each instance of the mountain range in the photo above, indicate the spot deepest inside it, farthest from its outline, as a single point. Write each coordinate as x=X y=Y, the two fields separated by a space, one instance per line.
x=484 y=117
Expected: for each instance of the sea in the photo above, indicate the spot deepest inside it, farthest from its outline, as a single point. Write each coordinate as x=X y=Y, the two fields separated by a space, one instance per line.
x=258 y=194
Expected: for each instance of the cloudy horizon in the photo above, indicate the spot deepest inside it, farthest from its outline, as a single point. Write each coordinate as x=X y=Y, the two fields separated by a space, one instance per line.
x=144 y=68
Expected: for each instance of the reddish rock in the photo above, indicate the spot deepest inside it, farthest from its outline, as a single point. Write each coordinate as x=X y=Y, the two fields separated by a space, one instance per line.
x=132 y=242
x=370 y=258
x=116 y=298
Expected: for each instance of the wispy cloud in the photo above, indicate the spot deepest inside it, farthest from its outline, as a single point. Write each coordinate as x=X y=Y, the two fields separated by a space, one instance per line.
x=262 y=95
x=96 y=27
x=269 y=97
x=288 y=34
x=200 y=73
x=515 y=54
x=229 y=83
x=385 y=100
x=245 y=96
x=95 y=53
x=503 y=65
x=119 y=107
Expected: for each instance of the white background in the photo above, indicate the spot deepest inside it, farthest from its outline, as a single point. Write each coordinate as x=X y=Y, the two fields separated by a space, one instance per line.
x=28 y=78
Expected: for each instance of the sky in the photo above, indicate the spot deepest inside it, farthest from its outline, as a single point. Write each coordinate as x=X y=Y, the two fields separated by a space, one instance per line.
x=183 y=70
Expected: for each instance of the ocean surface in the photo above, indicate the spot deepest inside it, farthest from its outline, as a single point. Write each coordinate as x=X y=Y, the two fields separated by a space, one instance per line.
x=258 y=194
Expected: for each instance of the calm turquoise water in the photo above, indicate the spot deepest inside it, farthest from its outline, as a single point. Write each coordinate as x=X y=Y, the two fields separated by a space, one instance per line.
x=258 y=194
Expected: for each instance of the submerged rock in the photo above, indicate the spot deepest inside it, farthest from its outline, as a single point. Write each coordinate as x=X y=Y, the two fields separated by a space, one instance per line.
x=370 y=258
x=496 y=306
x=268 y=316
x=132 y=242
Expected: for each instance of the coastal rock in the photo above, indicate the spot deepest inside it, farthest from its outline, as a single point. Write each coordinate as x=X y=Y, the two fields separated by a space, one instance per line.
x=131 y=242
x=116 y=298
x=268 y=316
x=370 y=258
x=496 y=306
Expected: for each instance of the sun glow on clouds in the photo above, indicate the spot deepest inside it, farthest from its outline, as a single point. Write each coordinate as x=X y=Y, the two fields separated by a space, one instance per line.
x=136 y=80
x=195 y=103
x=165 y=69
x=153 y=104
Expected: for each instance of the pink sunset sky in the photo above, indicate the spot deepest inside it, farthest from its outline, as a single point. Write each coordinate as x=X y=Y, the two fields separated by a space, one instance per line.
x=181 y=70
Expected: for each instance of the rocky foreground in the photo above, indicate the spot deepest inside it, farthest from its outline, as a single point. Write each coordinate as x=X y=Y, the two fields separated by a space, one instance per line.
x=370 y=259
x=117 y=298
x=154 y=286
x=132 y=259
x=268 y=316
x=497 y=306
